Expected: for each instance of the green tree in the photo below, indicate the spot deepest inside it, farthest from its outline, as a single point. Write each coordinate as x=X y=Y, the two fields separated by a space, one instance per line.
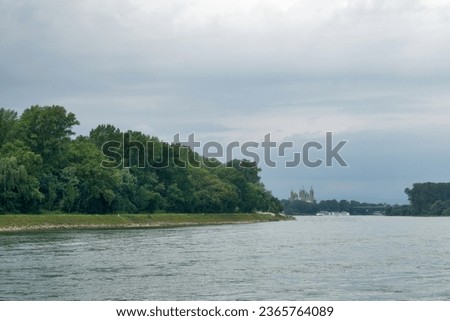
x=19 y=186
x=47 y=131
x=104 y=133
x=423 y=196
x=210 y=194
x=43 y=167
x=94 y=185
x=70 y=199
x=8 y=119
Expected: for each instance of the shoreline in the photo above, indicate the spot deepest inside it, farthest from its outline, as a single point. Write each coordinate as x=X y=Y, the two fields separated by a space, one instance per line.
x=51 y=222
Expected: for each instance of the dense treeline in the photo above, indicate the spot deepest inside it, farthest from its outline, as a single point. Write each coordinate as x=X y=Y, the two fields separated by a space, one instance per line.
x=43 y=168
x=299 y=207
x=426 y=199
x=429 y=199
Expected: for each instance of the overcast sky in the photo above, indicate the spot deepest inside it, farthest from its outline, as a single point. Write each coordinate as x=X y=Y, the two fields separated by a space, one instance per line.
x=375 y=73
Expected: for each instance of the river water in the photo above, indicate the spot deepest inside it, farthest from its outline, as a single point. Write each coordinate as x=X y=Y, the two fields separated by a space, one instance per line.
x=312 y=258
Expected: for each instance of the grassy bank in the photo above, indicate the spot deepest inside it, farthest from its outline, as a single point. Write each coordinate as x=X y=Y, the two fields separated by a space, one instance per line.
x=23 y=222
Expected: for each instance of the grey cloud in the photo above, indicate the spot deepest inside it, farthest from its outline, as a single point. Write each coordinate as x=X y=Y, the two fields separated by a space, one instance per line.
x=359 y=68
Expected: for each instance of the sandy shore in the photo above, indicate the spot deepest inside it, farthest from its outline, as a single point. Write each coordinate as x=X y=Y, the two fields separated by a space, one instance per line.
x=18 y=223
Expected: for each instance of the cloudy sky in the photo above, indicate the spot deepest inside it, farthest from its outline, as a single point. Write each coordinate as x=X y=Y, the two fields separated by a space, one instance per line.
x=376 y=73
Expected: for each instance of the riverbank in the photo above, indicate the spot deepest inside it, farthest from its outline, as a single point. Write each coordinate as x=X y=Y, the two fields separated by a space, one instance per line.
x=27 y=222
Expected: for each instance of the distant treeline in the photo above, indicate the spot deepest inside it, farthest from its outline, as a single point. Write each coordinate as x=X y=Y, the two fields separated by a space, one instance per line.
x=43 y=168
x=299 y=207
x=426 y=199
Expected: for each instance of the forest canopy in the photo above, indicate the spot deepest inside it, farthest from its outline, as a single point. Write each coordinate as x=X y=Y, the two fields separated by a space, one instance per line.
x=426 y=199
x=43 y=167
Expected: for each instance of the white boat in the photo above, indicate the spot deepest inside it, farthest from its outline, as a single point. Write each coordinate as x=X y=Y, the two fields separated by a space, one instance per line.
x=326 y=213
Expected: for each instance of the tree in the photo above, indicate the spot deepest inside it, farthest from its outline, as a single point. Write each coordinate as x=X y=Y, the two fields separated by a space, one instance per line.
x=329 y=205
x=19 y=186
x=8 y=119
x=47 y=131
x=104 y=133
x=301 y=207
x=43 y=168
x=92 y=187
x=423 y=196
x=70 y=198
x=344 y=205
x=210 y=194
x=250 y=170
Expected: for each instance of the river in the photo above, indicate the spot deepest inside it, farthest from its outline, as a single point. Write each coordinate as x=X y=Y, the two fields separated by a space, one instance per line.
x=312 y=258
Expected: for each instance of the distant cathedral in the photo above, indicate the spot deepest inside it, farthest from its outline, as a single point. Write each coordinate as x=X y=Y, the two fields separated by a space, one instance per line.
x=303 y=195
